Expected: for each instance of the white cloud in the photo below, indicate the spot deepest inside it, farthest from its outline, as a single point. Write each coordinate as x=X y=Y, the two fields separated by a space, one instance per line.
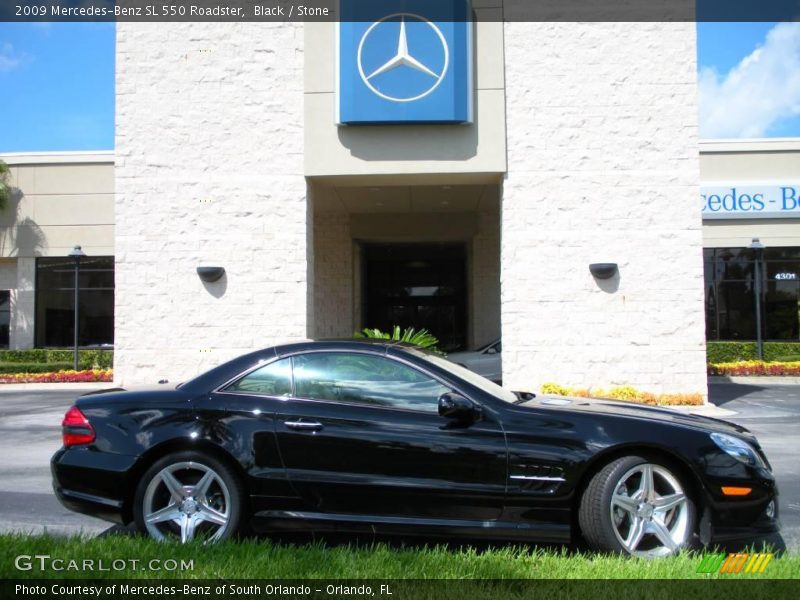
x=763 y=89
x=9 y=58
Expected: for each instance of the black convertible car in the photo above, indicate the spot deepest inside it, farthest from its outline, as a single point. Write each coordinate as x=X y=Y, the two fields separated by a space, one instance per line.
x=385 y=438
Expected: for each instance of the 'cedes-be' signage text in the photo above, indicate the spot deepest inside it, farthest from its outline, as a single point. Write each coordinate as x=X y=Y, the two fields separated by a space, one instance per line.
x=768 y=201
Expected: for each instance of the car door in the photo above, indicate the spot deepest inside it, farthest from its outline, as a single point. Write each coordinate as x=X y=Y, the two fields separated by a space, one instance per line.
x=241 y=418
x=362 y=435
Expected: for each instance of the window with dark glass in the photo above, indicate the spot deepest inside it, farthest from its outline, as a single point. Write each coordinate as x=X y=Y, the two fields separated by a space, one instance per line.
x=364 y=379
x=5 y=317
x=731 y=287
x=55 y=301
x=274 y=379
x=417 y=285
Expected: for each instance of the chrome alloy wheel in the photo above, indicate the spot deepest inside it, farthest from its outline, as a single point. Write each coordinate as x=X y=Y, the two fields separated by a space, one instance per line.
x=187 y=500
x=650 y=512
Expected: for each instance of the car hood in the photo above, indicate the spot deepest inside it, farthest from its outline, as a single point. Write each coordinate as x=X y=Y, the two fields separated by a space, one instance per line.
x=628 y=410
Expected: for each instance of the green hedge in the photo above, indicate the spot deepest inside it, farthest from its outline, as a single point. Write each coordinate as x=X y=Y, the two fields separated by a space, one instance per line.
x=719 y=352
x=34 y=367
x=87 y=359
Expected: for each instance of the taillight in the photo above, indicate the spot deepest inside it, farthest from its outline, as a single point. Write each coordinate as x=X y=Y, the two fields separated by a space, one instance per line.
x=76 y=429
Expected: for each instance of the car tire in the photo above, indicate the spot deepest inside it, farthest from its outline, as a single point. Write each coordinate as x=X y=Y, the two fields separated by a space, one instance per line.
x=189 y=495
x=637 y=506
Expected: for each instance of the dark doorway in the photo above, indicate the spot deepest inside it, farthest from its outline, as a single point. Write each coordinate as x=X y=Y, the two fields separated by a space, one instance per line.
x=420 y=286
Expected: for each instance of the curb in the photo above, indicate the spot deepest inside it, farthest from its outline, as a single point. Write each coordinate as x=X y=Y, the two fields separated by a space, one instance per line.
x=73 y=387
x=754 y=380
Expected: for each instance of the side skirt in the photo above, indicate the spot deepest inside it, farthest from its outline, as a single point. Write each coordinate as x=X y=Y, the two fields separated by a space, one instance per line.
x=499 y=530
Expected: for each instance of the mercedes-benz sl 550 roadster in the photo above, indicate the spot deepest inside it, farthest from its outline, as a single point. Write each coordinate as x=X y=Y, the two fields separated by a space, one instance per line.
x=385 y=438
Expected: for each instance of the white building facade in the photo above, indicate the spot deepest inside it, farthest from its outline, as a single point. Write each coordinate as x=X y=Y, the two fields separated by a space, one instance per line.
x=581 y=149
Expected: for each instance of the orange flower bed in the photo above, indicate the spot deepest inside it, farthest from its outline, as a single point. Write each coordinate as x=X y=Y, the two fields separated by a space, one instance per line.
x=755 y=367
x=627 y=394
x=87 y=376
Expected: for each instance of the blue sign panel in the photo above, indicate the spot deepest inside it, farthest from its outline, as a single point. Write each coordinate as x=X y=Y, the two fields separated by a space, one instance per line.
x=404 y=62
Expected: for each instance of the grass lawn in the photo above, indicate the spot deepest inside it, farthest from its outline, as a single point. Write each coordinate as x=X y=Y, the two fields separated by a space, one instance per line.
x=264 y=559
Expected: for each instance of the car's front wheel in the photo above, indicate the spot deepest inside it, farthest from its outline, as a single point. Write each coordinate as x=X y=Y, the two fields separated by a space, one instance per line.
x=186 y=496
x=637 y=506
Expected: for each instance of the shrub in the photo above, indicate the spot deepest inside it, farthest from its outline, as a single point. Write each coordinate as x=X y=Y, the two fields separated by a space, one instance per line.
x=726 y=352
x=34 y=367
x=87 y=359
x=625 y=393
x=555 y=389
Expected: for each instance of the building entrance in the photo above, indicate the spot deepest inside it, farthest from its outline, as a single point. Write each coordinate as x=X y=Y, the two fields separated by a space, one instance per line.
x=417 y=285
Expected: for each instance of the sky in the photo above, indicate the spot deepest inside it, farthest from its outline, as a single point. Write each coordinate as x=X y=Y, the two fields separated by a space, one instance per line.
x=58 y=83
x=749 y=79
x=58 y=86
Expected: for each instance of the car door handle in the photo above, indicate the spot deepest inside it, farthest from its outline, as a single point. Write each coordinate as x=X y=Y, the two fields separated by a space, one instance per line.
x=303 y=425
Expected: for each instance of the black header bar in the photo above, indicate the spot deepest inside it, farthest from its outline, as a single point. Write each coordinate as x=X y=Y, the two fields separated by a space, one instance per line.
x=166 y=11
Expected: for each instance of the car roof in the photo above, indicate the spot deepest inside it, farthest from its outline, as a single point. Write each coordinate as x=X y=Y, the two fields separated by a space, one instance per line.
x=379 y=346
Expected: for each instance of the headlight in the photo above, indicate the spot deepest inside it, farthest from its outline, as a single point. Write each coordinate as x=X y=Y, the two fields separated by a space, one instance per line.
x=738 y=449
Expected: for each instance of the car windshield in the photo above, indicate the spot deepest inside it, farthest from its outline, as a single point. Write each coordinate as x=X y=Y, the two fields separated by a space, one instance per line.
x=470 y=377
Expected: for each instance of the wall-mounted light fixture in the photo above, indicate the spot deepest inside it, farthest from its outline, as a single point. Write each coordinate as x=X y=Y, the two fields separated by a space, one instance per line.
x=210 y=274
x=603 y=270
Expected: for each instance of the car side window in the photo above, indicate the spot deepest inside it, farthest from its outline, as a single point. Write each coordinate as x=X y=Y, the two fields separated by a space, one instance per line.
x=274 y=379
x=365 y=379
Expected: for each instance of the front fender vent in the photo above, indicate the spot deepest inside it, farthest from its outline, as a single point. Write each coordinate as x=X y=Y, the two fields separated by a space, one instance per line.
x=542 y=479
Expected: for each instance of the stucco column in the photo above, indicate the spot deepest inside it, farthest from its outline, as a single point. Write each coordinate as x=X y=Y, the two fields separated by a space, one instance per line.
x=23 y=305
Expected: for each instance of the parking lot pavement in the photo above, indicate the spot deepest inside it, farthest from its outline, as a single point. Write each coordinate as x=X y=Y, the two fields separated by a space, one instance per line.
x=30 y=431
x=772 y=412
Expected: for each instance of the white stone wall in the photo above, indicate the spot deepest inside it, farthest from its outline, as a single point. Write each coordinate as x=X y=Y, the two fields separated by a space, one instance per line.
x=209 y=171
x=603 y=166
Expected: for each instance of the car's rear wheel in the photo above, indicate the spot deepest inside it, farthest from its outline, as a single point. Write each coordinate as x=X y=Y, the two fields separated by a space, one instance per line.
x=637 y=506
x=186 y=496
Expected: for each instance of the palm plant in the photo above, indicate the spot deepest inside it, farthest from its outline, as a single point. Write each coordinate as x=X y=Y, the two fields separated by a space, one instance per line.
x=422 y=338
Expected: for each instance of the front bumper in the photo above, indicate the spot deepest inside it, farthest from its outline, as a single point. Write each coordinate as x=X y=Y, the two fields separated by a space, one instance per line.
x=93 y=483
x=741 y=518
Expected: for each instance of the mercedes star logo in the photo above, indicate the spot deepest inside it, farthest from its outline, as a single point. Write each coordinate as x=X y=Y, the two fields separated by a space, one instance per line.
x=404 y=58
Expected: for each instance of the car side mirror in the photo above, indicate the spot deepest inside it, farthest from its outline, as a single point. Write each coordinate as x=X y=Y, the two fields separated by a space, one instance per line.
x=457 y=407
